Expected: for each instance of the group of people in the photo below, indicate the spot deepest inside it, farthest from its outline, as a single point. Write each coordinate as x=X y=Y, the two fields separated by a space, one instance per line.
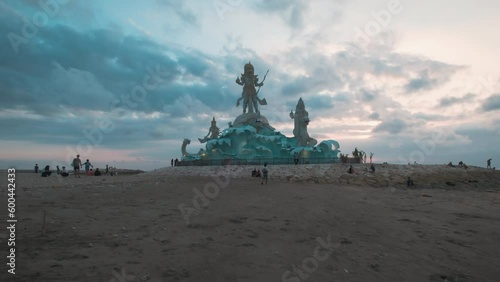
x=261 y=174
x=48 y=172
x=351 y=169
x=174 y=162
x=463 y=165
x=77 y=165
x=460 y=164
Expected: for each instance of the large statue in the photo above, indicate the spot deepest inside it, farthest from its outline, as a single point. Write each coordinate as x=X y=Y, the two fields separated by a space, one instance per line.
x=301 y=120
x=249 y=95
x=213 y=132
x=251 y=139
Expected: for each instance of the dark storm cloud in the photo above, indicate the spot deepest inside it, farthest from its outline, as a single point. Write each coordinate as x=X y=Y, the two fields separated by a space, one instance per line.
x=320 y=102
x=423 y=82
x=492 y=103
x=297 y=87
x=67 y=79
x=429 y=117
x=374 y=116
x=450 y=101
x=384 y=66
x=479 y=133
x=392 y=126
x=367 y=95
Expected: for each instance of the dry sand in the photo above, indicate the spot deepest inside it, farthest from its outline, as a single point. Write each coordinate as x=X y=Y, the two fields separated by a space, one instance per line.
x=310 y=223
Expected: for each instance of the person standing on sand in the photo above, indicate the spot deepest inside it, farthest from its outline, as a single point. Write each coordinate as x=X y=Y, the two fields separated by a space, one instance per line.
x=409 y=182
x=77 y=164
x=488 y=164
x=264 y=174
x=36 y=168
x=172 y=162
x=87 y=166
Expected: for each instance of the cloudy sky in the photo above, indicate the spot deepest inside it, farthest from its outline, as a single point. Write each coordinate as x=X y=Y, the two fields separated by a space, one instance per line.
x=124 y=82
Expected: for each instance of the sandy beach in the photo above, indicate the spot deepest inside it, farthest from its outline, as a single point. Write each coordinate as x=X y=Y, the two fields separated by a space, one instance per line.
x=309 y=223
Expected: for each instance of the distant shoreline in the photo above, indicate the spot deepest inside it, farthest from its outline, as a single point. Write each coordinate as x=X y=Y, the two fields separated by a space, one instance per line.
x=136 y=171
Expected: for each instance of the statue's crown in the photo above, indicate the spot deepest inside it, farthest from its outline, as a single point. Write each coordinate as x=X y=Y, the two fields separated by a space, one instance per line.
x=248 y=66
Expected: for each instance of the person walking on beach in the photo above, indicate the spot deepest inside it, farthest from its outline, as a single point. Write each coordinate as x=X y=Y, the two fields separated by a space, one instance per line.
x=36 y=168
x=488 y=164
x=264 y=174
x=87 y=166
x=77 y=164
x=172 y=162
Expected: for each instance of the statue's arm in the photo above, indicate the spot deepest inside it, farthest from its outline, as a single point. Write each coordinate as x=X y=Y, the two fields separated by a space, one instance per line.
x=238 y=81
x=257 y=83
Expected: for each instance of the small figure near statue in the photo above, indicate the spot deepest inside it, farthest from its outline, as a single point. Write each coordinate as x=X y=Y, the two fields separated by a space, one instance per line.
x=249 y=95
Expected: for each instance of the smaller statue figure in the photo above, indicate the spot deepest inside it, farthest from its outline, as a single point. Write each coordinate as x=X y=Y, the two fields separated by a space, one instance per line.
x=190 y=156
x=213 y=132
x=249 y=95
x=301 y=121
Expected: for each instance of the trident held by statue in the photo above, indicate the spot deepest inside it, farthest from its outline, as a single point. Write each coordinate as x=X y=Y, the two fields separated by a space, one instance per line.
x=263 y=101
